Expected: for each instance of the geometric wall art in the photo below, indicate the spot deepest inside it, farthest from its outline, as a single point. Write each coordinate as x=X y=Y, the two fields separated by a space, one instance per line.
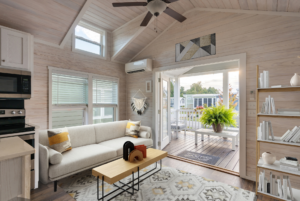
x=198 y=47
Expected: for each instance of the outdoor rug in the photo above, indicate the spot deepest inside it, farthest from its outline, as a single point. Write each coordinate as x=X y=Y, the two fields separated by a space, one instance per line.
x=169 y=184
x=209 y=159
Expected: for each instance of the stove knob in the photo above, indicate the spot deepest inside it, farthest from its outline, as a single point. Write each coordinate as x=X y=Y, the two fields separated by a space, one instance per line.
x=20 y=112
x=13 y=112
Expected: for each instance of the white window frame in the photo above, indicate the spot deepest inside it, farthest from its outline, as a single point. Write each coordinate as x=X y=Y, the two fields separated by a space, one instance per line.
x=103 y=41
x=88 y=108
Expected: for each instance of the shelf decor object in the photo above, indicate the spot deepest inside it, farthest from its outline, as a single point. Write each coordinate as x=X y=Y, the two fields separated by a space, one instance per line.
x=288 y=139
x=268 y=158
x=295 y=81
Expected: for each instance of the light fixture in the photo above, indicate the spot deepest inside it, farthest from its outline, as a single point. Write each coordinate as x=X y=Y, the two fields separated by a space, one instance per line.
x=156 y=7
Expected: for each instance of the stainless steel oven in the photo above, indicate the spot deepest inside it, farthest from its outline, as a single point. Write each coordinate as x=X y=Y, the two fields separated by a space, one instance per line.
x=15 y=84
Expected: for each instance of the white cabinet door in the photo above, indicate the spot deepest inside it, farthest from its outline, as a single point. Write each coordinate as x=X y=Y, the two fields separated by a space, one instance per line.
x=14 y=49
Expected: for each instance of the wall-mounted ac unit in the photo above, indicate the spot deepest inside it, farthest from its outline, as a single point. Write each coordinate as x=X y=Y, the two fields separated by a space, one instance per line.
x=138 y=66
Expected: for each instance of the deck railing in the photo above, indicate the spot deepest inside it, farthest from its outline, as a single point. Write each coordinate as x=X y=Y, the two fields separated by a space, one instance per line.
x=190 y=117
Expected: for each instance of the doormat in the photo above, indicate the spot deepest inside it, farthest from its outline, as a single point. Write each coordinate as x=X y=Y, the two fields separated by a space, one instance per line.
x=212 y=160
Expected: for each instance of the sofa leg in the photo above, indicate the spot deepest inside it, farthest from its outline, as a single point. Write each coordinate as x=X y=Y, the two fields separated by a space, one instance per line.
x=55 y=186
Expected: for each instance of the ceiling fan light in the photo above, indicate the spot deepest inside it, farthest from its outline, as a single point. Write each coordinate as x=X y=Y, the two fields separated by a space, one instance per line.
x=156 y=7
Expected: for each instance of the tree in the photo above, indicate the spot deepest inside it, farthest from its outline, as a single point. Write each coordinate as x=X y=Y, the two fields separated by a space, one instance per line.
x=172 y=90
x=196 y=88
x=232 y=98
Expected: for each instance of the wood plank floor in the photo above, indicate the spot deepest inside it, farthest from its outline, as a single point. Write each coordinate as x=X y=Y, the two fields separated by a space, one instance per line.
x=215 y=146
x=45 y=192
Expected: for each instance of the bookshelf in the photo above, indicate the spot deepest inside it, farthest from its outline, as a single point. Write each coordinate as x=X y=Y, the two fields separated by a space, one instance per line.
x=275 y=167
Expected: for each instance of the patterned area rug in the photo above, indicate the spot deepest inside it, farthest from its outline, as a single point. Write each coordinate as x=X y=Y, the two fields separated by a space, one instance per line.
x=169 y=184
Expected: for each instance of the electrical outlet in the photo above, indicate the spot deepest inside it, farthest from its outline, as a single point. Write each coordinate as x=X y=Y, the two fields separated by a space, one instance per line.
x=251 y=105
x=251 y=113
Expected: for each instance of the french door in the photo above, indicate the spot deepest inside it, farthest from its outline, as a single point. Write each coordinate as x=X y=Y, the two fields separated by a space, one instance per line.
x=165 y=112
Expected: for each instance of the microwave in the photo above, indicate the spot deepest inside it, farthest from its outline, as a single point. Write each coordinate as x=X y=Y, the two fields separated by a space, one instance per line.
x=15 y=84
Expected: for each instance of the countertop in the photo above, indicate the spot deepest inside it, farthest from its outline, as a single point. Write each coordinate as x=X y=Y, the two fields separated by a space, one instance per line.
x=14 y=147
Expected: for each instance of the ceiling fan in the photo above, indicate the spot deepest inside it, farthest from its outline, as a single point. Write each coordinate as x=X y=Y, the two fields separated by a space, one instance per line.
x=155 y=7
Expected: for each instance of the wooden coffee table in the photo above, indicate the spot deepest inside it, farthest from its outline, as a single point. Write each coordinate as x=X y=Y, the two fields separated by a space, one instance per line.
x=119 y=169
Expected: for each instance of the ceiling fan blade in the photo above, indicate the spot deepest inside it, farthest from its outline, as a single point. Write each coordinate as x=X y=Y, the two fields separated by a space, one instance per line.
x=129 y=4
x=146 y=19
x=174 y=14
x=169 y=1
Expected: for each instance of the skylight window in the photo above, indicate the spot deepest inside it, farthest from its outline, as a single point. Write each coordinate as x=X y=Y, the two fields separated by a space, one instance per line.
x=89 y=39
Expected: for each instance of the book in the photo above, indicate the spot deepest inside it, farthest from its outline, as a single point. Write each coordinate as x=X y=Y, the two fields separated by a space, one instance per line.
x=261 y=84
x=269 y=104
x=292 y=163
x=292 y=134
x=260 y=182
x=271 y=183
x=274 y=186
x=271 y=131
x=265 y=190
x=263 y=187
x=290 y=188
x=286 y=139
x=284 y=187
x=284 y=135
x=279 y=187
x=296 y=137
x=268 y=187
x=279 y=86
x=267 y=129
x=273 y=106
x=288 y=168
x=266 y=79
x=262 y=80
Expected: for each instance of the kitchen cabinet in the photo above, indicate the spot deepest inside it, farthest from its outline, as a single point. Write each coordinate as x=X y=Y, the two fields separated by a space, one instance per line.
x=16 y=49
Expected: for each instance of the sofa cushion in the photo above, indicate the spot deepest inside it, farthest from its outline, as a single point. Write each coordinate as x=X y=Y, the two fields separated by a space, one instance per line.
x=43 y=136
x=55 y=157
x=81 y=157
x=111 y=130
x=118 y=143
x=82 y=135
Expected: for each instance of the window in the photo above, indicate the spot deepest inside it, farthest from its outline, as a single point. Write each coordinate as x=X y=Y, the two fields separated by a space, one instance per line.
x=69 y=99
x=105 y=99
x=89 y=39
x=70 y=105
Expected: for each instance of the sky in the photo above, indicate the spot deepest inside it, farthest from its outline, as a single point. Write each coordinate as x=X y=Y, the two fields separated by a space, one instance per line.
x=211 y=80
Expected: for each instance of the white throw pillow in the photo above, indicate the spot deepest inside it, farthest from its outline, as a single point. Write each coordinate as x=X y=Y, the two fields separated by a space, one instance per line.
x=54 y=156
x=144 y=134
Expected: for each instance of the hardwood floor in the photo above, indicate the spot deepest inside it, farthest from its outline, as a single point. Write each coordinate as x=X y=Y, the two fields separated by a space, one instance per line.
x=45 y=192
x=215 y=146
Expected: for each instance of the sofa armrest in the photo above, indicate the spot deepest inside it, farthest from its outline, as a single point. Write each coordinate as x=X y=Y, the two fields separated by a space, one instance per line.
x=44 y=164
x=148 y=129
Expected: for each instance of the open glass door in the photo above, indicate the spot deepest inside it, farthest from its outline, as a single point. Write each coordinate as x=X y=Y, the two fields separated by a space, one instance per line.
x=165 y=113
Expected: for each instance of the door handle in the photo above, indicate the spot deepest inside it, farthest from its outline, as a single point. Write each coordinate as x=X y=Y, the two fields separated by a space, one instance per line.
x=3 y=60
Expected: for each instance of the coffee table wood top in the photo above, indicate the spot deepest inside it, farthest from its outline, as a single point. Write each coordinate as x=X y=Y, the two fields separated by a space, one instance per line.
x=119 y=169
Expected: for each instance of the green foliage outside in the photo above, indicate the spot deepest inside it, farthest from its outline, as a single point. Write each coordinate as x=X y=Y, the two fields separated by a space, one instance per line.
x=218 y=115
x=196 y=88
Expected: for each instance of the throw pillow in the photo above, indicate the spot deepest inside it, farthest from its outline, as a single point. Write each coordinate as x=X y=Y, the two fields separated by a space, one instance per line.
x=144 y=134
x=54 y=156
x=59 y=140
x=133 y=128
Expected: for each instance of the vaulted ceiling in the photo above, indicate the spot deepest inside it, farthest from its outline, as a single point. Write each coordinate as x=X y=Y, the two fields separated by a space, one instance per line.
x=53 y=20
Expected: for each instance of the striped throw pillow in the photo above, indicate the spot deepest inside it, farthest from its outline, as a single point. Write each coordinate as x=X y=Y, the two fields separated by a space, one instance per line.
x=133 y=128
x=59 y=140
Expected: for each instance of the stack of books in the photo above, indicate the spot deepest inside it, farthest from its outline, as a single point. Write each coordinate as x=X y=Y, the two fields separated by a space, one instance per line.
x=268 y=107
x=291 y=165
x=264 y=79
x=292 y=136
x=275 y=186
x=288 y=111
x=265 y=131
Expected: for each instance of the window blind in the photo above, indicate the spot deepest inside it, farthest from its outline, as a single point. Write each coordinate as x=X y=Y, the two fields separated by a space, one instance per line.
x=105 y=91
x=69 y=89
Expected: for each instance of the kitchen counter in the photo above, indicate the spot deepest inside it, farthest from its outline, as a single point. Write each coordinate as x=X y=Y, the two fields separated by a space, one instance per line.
x=15 y=168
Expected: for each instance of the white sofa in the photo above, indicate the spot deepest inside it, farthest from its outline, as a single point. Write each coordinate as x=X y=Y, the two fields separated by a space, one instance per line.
x=92 y=145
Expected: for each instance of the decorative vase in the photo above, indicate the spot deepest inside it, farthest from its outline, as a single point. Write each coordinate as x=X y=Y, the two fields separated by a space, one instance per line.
x=218 y=128
x=295 y=81
x=268 y=158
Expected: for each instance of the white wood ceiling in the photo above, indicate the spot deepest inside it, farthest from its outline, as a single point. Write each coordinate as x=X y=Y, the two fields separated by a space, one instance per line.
x=50 y=20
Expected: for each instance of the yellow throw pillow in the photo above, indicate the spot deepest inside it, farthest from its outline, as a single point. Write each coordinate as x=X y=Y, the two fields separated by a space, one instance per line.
x=59 y=140
x=133 y=128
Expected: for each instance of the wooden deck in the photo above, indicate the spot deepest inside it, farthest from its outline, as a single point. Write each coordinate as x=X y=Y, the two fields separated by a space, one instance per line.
x=212 y=145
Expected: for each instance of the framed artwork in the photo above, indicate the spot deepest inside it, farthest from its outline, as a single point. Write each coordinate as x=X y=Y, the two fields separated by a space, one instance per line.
x=195 y=48
x=148 y=86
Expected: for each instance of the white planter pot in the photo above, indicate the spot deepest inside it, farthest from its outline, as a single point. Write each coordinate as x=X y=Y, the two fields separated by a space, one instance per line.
x=268 y=158
x=295 y=81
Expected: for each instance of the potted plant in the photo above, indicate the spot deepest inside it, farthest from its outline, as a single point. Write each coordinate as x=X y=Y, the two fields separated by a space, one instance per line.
x=218 y=117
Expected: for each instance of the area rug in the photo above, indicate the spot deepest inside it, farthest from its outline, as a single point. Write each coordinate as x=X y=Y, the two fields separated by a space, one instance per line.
x=169 y=184
x=212 y=160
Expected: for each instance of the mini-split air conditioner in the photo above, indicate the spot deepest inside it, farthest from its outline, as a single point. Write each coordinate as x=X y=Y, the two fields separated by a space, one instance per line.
x=138 y=66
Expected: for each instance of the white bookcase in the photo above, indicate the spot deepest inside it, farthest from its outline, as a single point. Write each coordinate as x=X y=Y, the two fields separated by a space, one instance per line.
x=275 y=167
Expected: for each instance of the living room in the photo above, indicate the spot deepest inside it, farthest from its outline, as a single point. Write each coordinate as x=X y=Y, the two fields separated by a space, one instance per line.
x=66 y=72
